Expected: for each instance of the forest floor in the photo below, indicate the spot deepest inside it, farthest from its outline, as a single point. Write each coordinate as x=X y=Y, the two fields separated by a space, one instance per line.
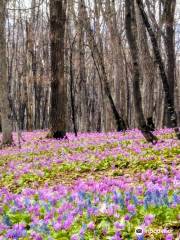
x=96 y=186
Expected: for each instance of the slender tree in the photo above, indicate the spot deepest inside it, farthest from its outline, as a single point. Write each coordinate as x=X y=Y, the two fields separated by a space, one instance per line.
x=72 y=87
x=4 y=101
x=111 y=19
x=147 y=67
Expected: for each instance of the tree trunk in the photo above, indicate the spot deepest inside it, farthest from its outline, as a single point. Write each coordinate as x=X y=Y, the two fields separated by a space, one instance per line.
x=72 y=97
x=169 y=104
x=58 y=114
x=169 y=12
x=4 y=101
x=120 y=85
x=83 y=103
x=131 y=32
x=28 y=87
x=147 y=67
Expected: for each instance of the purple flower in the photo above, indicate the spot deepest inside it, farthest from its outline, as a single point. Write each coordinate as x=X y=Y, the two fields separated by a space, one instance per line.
x=91 y=226
x=67 y=224
x=75 y=237
x=148 y=219
x=127 y=217
x=119 y=225
x=57 y=226
x=104 y=230
x=117 y=236
x=169 y=237
x=131 y=208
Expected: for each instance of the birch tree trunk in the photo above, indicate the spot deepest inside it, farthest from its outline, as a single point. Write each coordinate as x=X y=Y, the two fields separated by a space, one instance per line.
x=4 y=101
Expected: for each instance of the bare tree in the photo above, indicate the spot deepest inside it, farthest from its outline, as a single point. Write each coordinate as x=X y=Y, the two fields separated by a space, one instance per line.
x=169 y=103
x=72 y=88
x=168 y=18
x=4 y=101
x=131 y=31
x=147 y=68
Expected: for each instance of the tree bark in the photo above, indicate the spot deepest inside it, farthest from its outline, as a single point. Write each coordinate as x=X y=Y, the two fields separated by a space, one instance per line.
x=168 y=15
x=147 y=67
x=72 y=97
x=58 y=114
x=4 y=100
x=28 y=88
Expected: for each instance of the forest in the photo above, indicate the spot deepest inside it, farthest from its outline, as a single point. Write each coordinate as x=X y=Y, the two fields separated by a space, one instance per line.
x=89 y=119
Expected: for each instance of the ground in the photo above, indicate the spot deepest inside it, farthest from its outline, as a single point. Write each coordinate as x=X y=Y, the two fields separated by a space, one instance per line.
x=96 y=186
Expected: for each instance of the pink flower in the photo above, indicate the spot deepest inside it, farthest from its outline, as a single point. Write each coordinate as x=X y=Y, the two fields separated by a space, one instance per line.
x=165 y=231
x=36 y=236
x=104 y=231
x=57 y=226
x=169 y=237
x=131 y=208
x=67 y=224
x=119 y=225
x=148 y=219
x=91 y=226
x=75 y=237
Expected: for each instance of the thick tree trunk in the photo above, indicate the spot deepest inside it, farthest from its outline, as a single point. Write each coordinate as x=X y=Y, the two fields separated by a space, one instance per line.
x=169 y=104
x=169 y=12
x=4 y=101
x=58 y=115
x=131 y=32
